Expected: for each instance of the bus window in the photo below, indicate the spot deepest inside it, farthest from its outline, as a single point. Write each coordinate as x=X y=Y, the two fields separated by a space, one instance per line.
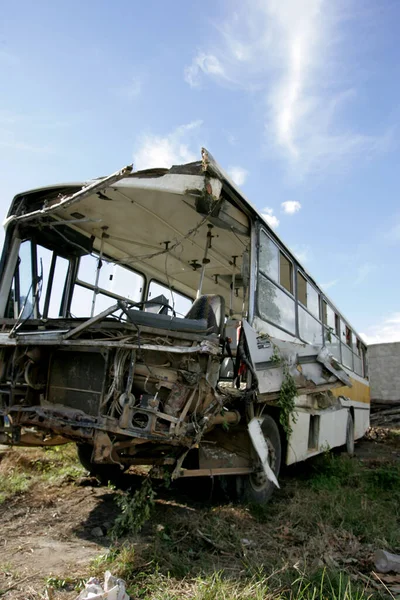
x=52 y=285
x=275 y=305
x=309 y=328
x=337 y=325
x=328 y=316
x=345 y=338
x=180 y=303
x=269 y=257
x=115 y=282
x=313 y=301
x=25 y=281
x=286 y=273
x=301 y=289
x=307 y=295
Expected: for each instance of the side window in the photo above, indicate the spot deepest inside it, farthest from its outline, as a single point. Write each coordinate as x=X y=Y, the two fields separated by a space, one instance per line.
x=313 y=301
x=345 y=338
x=274 y=264
x=180 y=303
x=356 y=346
x=343 y=331
x=328 y=316
x=274 y=304
x=269 y=257
x=331 y=341
x=348 y=336
x=286 y=273
x=308 y=295
x=337 y=325
x=301 y=289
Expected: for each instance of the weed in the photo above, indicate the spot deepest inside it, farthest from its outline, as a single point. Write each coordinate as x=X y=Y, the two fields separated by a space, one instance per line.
x=286 y=401
x=64 y=583
x=14 y=482
x=135 y=510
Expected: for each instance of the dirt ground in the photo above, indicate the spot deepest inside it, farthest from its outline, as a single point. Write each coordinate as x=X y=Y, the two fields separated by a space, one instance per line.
x=53 y=531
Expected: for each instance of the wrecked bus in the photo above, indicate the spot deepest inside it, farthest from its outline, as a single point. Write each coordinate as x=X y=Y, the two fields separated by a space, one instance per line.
x=154 y=318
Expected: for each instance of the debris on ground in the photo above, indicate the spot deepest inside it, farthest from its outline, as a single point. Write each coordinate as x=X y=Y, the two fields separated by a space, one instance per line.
x=113 y=589
x=385 y=561
x=385 y=415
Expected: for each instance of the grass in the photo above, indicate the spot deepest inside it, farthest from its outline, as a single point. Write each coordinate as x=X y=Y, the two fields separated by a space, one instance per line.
x=315 y=540
x=22 y=468
x=156 y=585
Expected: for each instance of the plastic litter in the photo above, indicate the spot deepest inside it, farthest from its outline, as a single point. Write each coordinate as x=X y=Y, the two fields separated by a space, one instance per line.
x=113 y=589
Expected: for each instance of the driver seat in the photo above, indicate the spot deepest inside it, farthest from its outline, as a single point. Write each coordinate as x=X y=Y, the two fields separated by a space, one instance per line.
x=211 y=308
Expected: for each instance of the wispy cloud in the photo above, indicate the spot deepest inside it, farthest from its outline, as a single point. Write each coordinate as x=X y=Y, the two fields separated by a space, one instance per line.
x=238 y=175
x=268 y=214
x=387 y=330
x=203 y=64
x=164 y=151
x=287 y=52
x=302 y=252
x=291 y=206
x=363 y=272
x=329 y=284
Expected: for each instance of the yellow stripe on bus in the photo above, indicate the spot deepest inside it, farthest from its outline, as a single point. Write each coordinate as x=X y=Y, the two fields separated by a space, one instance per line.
x=359 y=392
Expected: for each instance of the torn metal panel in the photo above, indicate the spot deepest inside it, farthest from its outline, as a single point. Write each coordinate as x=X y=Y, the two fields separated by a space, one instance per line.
x=261 y=447
x=312 y=368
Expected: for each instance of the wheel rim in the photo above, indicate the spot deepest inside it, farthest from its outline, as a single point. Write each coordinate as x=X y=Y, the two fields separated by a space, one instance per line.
x=257 y=478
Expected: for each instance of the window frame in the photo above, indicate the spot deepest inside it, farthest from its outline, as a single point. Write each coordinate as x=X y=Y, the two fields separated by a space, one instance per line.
x=300 y=271
x=169 y=288
x=36 y=314
x=261 y=273
x=74 y=271
x=288 y=258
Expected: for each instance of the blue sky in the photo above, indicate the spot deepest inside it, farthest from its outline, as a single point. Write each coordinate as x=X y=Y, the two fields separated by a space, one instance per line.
x=297 y=99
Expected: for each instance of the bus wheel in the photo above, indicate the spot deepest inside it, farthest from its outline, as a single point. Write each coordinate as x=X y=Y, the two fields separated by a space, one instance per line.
x=105 y=473
x=350 y=435
x=256 y=488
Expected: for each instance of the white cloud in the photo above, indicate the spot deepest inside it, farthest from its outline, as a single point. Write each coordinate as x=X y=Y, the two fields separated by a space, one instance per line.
x=291 y=206
x=363 y=271
x=206 y=64
x=288 y=53
x=164 y=151
x=238 y=175
x=268 y=214
x=388 y=330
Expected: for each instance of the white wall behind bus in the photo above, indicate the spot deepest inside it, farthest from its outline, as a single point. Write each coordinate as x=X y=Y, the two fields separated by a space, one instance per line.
x=384 y=373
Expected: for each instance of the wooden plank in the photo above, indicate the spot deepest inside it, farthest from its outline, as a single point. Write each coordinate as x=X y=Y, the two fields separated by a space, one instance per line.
x=215 y=472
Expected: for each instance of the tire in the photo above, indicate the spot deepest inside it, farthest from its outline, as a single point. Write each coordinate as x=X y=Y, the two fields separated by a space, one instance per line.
x=350 y=435
x=256 y=488
x=105 y=473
